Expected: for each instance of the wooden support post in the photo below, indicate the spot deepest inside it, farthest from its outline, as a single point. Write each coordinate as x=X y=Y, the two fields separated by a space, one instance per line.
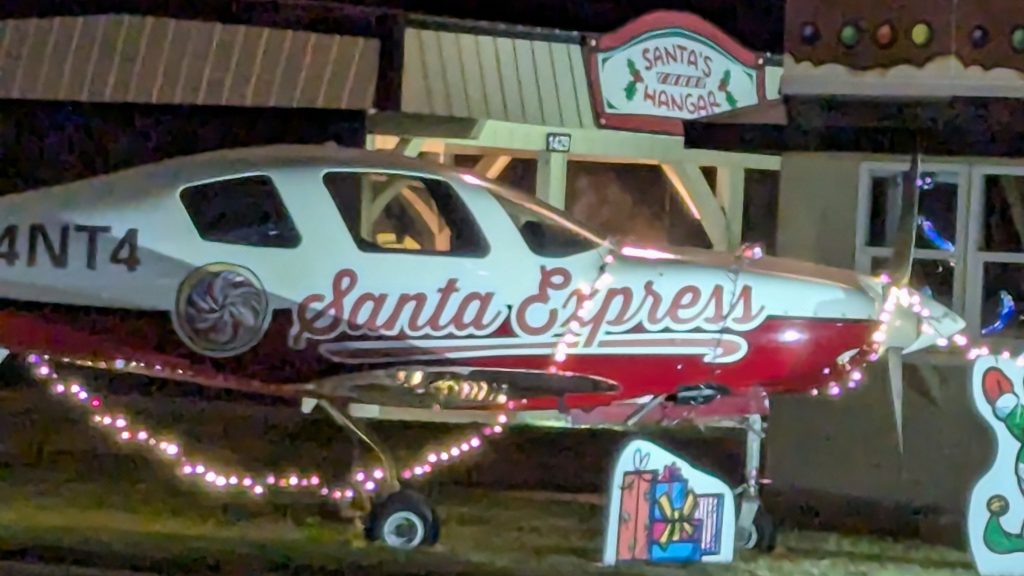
x=491 y=166
x=551 y=169
x=444 y=154
x=410 y=147
x=693 y=189
x=729 y=182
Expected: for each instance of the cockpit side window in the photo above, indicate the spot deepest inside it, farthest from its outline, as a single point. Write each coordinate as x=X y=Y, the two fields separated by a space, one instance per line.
x=389 y=212
x=246 y=210
x=544 y=235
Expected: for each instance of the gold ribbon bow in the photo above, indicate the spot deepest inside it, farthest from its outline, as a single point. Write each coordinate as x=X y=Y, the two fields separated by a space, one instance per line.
x=678 y=519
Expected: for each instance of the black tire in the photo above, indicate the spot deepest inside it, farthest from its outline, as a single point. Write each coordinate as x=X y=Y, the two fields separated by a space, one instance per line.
x=403 y=506
x=434 y=533
x=767 y=532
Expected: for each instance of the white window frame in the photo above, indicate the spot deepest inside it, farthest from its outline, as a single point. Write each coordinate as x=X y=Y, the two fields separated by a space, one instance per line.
x=865 y=253
x=969 y=259
x=977 y=257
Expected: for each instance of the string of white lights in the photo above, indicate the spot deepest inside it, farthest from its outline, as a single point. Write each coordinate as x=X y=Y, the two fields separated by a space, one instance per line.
x=848 y=375
x=189 y=465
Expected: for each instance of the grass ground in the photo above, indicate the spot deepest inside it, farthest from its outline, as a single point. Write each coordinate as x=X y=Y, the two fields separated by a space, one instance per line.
x=160 y=527
x=67 y=501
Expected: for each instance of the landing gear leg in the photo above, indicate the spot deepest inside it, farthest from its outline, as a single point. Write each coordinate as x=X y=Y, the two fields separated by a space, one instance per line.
x=400 y=517
x=755 y=529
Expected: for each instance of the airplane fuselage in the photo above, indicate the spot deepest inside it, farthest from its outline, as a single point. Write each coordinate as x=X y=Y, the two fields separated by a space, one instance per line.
x=119 y=269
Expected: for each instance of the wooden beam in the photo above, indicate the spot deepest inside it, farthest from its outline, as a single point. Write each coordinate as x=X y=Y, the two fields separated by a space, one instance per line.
x=491 y=166
x=721 y=158
x=377 y=204
x=551 y=170
x=693 y=188
x=410 y=147
x=729 y=185
x=598 y=145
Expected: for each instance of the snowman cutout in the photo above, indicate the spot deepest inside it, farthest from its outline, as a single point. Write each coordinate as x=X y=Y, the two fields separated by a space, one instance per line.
x=996 y=511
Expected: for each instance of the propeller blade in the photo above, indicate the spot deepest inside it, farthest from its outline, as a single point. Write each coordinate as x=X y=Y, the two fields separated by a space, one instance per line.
x=928 y=385
x=895 y=357
x=900 y=268
x=906 y=235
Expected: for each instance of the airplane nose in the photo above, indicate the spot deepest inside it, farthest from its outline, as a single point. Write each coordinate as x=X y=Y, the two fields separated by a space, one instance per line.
x=936 y=323
x=914 y=321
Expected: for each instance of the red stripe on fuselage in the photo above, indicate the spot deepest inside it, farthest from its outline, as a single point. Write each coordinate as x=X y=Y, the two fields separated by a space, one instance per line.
x=775 y=361
x=771 y=363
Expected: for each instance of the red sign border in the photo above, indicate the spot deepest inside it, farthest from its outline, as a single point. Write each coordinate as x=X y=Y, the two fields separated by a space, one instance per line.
x=660 y=20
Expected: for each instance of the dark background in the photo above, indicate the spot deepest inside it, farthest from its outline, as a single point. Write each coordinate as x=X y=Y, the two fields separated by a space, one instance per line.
x=756 y=23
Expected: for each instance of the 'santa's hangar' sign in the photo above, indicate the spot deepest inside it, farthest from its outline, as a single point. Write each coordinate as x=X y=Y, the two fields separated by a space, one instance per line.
x=666 y=67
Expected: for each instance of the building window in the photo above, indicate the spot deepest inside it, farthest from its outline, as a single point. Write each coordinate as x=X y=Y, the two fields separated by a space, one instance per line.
x=996 y=262
x=939 y=251
x=969 y=251
x=390 y=212
x=246 y=210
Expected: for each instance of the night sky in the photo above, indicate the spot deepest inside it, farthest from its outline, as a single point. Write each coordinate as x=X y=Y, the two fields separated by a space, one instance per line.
x=756 y=23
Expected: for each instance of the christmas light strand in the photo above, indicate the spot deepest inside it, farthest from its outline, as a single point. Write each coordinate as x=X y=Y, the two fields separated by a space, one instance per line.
x=123 y=429
x=847 y=373
x=574 y=326
x=909 y=300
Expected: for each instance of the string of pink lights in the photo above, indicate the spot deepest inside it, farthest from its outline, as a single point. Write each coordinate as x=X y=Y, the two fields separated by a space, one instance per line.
x=124 y=430
x=257 y=485
x=368 y=481
x=904 y=298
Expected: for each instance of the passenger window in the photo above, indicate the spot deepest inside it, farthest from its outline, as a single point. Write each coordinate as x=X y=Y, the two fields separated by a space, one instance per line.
x=246 y=210
x=545 y=236
x=398 y=212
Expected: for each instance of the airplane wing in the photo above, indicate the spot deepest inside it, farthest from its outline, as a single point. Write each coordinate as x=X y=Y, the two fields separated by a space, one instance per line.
x=455 y=387
x=414 y=386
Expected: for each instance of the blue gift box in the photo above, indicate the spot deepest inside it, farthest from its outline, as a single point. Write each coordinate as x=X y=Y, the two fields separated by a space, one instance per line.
x=675 y=534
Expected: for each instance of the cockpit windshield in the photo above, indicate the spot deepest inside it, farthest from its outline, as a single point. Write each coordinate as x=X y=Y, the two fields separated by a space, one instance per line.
x=547 y=231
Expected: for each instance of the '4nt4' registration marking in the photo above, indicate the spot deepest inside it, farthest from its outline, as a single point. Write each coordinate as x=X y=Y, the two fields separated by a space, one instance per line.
x=54 y=244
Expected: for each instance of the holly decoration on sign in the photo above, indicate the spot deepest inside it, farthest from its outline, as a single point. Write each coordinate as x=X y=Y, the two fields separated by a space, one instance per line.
x=635 y=78
x=723 y=86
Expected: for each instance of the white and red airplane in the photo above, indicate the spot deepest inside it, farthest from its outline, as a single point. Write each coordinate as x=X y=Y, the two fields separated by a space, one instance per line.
x=378 y=281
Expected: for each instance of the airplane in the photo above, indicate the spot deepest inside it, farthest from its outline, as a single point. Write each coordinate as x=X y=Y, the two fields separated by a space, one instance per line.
x=407 y=290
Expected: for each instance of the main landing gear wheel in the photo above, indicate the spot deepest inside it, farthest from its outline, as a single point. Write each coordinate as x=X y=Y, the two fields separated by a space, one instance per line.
x=399 y=517
x=755 y=528
x=761 y=535
x=403 y=520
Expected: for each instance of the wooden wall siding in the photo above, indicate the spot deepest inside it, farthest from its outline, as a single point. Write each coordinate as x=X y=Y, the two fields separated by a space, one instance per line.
x=144 y=59
x=499 y=78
